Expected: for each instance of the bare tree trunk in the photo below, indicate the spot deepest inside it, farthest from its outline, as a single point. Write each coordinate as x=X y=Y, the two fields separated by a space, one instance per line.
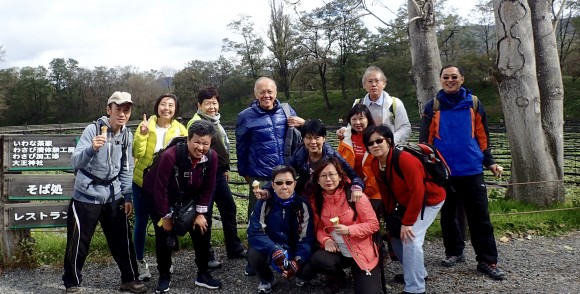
x=534 y=172
x=426 y=62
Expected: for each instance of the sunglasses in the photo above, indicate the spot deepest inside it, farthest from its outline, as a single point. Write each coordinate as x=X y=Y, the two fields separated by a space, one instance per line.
x=450 y=77
x=378 y=141
x=280 y=183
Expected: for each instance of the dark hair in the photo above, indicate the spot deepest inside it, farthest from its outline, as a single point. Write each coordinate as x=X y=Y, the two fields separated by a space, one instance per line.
x=322 y=164
x=280 y=169
x=200 y=128
x=313 y=127
x=158 y=101
x=449 y=66
x=360 y=108
x=207 y=93
x=382 y=130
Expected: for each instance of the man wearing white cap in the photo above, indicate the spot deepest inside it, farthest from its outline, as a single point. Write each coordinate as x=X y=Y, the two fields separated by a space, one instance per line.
x=103 y=160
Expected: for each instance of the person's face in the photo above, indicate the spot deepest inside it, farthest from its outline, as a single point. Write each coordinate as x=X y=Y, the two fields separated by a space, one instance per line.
x=359 y=122
x=266 y=94
x=210 y=107
x=166 y=108
x=198 y=145
x=284 y=185
x=378 y=145
x=314 y=143
x=119 y=114
x=451 y=80
x=329 y=178
x=374 y=83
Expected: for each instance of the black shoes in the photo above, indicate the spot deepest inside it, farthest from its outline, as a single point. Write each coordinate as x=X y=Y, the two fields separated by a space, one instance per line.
x=450 y=261
x=238 y=255
x=163 y=285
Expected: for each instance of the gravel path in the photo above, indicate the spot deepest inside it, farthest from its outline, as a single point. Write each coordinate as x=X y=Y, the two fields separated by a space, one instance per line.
x=536 y=265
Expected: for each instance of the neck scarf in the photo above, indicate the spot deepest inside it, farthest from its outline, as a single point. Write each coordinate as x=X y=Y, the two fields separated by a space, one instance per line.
x=216 y=121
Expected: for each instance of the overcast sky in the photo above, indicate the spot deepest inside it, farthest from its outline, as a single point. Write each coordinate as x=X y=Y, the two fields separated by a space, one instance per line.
x=147 y=34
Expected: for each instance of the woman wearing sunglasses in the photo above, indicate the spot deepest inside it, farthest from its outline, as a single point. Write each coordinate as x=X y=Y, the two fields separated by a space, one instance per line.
x=345 y=232
x=280 y=231
x=420 y=200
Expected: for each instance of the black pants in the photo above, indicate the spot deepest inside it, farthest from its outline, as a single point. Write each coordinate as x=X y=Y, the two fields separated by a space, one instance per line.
x=331 y=264
x=163 y=252
x=224 y=201
x=472 y=191
x=261 y=263
x=82 y=221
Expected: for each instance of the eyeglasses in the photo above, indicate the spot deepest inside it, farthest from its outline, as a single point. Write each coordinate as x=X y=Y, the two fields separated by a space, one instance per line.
x=378 y=141
x=451 y=77
x=330 y=176
x=373 y=81
x=280 y=183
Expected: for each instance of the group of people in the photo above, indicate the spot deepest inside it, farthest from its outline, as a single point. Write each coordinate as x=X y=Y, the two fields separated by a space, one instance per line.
x=316 y=212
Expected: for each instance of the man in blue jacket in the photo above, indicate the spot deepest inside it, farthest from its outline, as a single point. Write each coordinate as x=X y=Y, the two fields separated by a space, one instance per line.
x=260 y=133
x=102 y=194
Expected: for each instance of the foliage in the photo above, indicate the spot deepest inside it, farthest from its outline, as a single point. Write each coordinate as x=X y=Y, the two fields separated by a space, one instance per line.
x=250 y=48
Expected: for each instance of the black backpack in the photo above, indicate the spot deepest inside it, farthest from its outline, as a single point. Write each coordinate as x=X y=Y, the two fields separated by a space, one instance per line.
x=293 y=138
x=436 y=168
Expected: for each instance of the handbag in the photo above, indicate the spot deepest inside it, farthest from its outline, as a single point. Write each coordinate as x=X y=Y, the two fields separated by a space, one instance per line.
x=183 y=217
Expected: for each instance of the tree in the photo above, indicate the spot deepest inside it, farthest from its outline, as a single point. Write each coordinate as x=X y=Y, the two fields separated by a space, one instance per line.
x=530 y=85
x=63 y=76
x=29 y=98
x=566 y=17
x=251 y=47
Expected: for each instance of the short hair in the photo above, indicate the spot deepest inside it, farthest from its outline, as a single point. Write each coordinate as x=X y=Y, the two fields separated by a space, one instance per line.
x=259 y=80
x=280 y=169
x=373 y=68
x=382 y=130
x=158 y=101
x=207 y=93
x=313 y=127
x=200 y=128
x=452 y=65
x=360 y=108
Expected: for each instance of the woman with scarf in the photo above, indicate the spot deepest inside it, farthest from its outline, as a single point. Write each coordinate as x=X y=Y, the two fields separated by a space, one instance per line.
x=152 y=135
x=208 y=109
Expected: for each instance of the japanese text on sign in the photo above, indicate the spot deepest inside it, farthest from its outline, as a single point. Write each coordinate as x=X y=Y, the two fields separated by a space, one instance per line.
x=31 y=153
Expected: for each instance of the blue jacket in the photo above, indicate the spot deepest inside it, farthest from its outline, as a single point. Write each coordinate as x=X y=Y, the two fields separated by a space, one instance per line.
x=459 y=132
x=278 y=224
x=260 y=138
x=299 y=161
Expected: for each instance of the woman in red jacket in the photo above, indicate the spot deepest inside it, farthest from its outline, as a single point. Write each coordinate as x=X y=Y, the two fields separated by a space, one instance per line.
x=345 y=235
x=407 y=193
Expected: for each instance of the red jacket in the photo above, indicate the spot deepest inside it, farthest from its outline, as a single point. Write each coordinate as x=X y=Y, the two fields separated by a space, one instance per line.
x=408 y=191
x=360 y=241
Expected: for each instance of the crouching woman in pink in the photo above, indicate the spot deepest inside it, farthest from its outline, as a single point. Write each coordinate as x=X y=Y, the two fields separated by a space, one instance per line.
x=418 y=200
x=345 y=232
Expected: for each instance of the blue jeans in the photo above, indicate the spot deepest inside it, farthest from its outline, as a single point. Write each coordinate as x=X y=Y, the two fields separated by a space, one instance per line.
x=411 y=253
x=141 y=212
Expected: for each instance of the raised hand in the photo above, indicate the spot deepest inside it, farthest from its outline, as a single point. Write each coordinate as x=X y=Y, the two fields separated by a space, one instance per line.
x=144 y=126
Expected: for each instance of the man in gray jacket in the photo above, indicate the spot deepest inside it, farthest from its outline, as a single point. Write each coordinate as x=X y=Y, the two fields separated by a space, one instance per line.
x=102 y=194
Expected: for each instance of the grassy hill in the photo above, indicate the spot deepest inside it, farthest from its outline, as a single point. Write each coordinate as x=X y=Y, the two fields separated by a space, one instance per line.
x=310 y=104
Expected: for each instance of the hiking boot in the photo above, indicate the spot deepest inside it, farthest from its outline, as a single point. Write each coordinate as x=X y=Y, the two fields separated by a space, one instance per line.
x=73 y=289
x=214 y=264
x=491 y=270
x=134 y=287
x=144 y=274
x=449 y=261
x=249 y=271
x=163 y=285
x=207 y=281
x=266 y=287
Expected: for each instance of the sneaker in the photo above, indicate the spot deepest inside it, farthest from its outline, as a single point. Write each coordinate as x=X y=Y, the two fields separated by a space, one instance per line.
x=73 y=289
x=144 y=274
x=214 y=264
x=400 y=278
x=449 y=261
x=238 y=255
x=299 y=282
x=134 y=287
x=207 y=281
x=249 y=271
x=163 y=285
x=491 y=270
x=266 y=287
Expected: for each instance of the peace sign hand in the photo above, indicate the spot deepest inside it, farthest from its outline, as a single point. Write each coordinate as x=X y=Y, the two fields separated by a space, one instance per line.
x=144 y=129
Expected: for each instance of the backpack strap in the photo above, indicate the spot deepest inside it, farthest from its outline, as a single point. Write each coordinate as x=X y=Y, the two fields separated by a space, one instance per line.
x=397 y=168
x=393 y=107
x=286 y=107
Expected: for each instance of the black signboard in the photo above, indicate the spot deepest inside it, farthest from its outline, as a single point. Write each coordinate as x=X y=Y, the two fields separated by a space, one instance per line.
x=48 y=214
x=38 y=152
x=38 y=187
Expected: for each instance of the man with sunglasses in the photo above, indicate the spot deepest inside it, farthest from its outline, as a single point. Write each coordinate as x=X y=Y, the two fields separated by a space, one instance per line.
x=458 y=128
